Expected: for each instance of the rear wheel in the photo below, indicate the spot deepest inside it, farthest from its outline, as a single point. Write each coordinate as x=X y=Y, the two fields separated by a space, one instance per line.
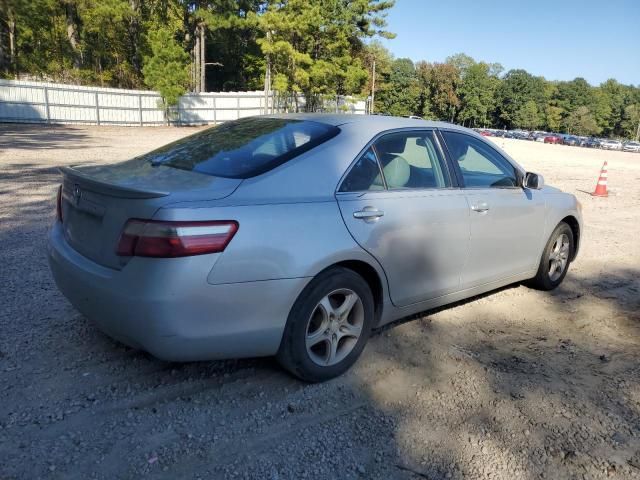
x=328 y=326
x=555 y=260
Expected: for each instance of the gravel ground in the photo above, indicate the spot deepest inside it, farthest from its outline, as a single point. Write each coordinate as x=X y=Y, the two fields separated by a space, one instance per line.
x=516 y=384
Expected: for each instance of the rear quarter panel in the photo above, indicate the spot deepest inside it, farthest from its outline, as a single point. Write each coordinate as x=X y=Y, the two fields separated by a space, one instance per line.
x=278 y=241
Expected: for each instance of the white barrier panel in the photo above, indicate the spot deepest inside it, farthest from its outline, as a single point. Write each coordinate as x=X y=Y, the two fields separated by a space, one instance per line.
x=40 y=102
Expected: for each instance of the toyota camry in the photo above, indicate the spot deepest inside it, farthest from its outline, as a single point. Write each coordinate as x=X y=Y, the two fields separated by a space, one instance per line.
x=296 y=235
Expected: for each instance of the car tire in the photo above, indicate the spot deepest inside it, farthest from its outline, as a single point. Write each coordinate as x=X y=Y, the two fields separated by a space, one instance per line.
x=319 y=340
x=558 y=253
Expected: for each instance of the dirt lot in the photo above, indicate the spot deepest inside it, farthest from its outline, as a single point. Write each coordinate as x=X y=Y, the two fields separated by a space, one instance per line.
x=517 y=384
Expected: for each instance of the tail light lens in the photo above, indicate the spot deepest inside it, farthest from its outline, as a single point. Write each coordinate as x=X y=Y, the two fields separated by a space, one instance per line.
x=59 y=204
x=150 y=238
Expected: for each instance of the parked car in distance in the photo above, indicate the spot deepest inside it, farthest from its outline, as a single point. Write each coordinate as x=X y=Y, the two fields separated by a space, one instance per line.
x=539 y=136
x=521 y=135
x=609 y=144
x=295 y=235
x=631 y=147
x=571 y=141
x=486 y=133
x=557 y=139
x=591 y=142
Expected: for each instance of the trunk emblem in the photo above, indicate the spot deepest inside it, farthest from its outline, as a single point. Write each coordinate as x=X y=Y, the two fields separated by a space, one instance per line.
x=77 y=194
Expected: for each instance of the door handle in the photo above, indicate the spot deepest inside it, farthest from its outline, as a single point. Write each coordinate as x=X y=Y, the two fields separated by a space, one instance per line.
x=481 y=207
x=368 y=214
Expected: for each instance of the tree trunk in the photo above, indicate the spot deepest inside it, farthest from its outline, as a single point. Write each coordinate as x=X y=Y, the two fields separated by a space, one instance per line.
x=134 y=36
x=13 y=57
x=73 y=36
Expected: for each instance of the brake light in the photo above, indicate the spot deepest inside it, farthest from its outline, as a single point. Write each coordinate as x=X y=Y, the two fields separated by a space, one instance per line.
x=59 y=204
x=151 y=238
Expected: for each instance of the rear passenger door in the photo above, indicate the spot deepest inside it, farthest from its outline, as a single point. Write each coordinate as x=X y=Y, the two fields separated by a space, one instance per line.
x=506 y=221
x=400 y=204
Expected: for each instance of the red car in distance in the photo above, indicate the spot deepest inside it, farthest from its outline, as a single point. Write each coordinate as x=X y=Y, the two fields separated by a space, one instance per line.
x=553 y=139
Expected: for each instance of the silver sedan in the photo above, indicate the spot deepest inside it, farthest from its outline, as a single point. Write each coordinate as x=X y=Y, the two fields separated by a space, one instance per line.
x=295 y=235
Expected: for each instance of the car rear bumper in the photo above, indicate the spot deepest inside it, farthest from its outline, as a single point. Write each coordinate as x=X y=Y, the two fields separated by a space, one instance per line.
x=166 y=306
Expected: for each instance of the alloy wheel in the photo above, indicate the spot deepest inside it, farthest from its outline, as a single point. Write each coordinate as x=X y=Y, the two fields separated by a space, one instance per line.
x=334 y=327
x=559 y=257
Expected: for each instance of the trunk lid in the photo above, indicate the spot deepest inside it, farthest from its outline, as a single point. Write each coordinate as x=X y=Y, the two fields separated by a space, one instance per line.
x=97 y=201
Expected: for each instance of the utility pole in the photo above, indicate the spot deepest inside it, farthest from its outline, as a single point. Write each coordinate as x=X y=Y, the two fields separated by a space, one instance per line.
x=203 y=68
x=196 y=61
x=267 y=79
x=638 y=132
x=373 y=88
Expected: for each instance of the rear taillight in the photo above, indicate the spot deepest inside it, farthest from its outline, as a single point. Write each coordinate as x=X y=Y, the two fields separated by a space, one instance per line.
x=150 y=238
x=59 y=204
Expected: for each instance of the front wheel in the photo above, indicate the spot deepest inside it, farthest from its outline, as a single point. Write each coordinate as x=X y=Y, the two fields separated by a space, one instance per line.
x=328 y=326
x=555 y=260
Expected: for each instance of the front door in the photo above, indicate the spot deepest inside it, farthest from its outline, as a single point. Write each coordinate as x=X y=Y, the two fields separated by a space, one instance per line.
x=506 y=221
x=398 y=203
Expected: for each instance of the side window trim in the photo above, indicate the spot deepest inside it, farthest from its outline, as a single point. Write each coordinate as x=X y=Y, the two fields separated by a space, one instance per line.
x=363 y=152
x=380 y=169
x=454 y=171
x=458 y=171
x=450 y=172
x=449 y=179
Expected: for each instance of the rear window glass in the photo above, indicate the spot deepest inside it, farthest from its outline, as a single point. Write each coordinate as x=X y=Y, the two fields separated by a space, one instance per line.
x=243 y=148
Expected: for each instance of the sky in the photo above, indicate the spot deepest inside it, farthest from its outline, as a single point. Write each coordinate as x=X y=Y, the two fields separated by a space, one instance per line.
x=560 y=40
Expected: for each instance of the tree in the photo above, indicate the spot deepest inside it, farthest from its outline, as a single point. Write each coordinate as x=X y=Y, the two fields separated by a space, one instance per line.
x=462 y=62
x=316 y=47
x=165 y=70
x=614 y=95
x=517 y=88
x=442 y=81
x=477 y=95
x=378 y=53
x=527 y=116
x=581 y=122
x=403 y=98
x=553 y=118
x=631 y=121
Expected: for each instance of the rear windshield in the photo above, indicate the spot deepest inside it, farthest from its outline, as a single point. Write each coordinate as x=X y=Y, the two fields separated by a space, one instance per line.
x=243 y=148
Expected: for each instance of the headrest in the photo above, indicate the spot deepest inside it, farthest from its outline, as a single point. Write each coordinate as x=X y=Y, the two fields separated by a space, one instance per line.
x=396 y=171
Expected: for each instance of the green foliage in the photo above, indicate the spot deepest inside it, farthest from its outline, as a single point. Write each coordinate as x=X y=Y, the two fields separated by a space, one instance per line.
x=517 y=89
x=403 y=93
x=316 y=47
x=631 y=121
x=553 y=118
x=441 y=81
x=477 y=94
x=527 y=116
x=165 y=70
x=581 y=122
x=321 y=48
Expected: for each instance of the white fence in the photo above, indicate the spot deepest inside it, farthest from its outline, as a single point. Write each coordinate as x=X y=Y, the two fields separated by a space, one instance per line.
x=38 y=102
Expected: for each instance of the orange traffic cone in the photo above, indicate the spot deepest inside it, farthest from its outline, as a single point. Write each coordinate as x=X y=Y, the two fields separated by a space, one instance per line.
x=601 y=187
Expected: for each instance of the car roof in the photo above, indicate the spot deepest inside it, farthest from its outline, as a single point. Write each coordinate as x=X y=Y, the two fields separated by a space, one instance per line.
x=375 y=122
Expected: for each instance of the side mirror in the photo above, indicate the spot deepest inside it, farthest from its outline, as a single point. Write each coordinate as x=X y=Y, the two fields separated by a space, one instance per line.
x=534 y=181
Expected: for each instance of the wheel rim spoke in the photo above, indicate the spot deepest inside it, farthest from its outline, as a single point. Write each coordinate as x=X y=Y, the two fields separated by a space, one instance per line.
x=349 y=301
x=349 y=330
x=316 y=338
x=325 y=304
x=333 y=350
x=559 y=257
